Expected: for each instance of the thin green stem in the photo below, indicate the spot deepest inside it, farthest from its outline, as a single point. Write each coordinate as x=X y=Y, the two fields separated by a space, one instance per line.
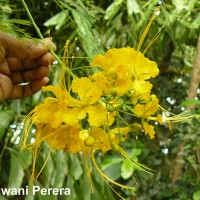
x=5 y=146
x=32 y=20
x=41 y=37
x=127 y=124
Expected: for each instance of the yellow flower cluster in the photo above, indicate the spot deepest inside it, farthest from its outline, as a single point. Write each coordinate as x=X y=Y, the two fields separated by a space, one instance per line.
x=91 y=113
x=125 y=72
x=83 y=118
x=86 y=117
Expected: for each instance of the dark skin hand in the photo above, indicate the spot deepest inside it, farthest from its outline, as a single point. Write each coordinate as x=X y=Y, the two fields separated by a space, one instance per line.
x=23 y=61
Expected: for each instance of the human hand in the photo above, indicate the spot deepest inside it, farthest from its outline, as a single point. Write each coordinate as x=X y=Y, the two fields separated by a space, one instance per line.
x=23 y=61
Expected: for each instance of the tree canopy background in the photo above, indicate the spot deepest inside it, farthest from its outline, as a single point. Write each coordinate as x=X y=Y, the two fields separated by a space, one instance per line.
x=98 y=26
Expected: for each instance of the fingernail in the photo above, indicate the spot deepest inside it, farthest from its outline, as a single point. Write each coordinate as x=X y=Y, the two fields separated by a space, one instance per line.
x=46 y=79
x=47 y=42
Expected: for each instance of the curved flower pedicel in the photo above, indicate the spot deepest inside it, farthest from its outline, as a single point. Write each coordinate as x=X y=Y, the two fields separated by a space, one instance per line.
x=88 y=117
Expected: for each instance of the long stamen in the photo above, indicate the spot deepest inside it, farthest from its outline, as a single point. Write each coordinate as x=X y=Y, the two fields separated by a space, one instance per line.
x=123 y=153
x=106 y=177
x=153 y=40
x=157 y=11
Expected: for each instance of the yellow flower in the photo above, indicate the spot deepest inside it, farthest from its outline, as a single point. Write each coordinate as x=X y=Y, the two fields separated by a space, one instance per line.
x=63 y=137
x=142 y=67
x=142 y=70
x=123 y=69
x=60 y=138
x=55 y=111
x=45 y=113
x=148 y=129
x=116 y=73
x=119 y=133
x=101 y=138
x=145 y=111
x=71 y=110
x=159 y=119
x=141 y=90
x=89 y=95
x=74 y=143
x=88 y=91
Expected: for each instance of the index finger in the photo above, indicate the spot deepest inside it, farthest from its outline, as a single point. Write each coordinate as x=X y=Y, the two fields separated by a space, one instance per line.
x=23 y=48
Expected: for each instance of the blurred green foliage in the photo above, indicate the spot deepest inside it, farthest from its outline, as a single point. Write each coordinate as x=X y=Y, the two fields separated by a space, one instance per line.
x=98 y=26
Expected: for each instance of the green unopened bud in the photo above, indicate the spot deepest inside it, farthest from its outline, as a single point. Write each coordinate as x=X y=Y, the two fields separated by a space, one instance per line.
x=114 y=92
x=137 y=126
x=127 y=94
x=140 y=100
x=122 y=139
x=110 y=108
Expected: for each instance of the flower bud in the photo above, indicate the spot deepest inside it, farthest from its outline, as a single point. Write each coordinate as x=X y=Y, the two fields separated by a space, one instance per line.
x=137 y=126
x=122 y=139
x=110 y=108
x=114 y=92
x=89 y=141
x=111 y=73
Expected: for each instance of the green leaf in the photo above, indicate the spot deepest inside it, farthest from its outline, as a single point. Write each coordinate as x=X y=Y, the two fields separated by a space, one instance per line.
x=84 y=22
x=76 y=170
x=180 y=4
x=87 y=33
x=112 y=10
x=60 y=169
x=44 y=197
x=29 y=197
x=70 y=184
x=6 y=9
x=127 y=169
x=85 y=186
x=98 y=194
x=180 y=32
x=196 y=22
x=167 y=20
x=109 y=162
x=190 y=102
x=57 y=20
x=25 y=158
x=20 y=21
x=136 y=152
x=196 y=195
x=133 y=7
x=6 y=116
x=128 y=166
x=194 y=25
x=2 y=197
x=16 y=172
x=113 y=171
x=191 y=4
x=49 y=168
